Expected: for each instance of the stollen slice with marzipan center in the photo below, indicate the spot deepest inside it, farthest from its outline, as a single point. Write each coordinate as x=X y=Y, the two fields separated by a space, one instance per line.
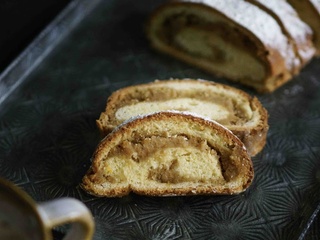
x=169 y=153
x=230 y=38
x=239 y=112
x=309 y=12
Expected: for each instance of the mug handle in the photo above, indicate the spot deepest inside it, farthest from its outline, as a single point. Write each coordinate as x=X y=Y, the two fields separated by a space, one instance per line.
x=68 y=210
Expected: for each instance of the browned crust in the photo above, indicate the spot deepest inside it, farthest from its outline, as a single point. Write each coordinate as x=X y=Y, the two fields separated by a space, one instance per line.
x=276 y=71
x=254 y=137
x=241 y=160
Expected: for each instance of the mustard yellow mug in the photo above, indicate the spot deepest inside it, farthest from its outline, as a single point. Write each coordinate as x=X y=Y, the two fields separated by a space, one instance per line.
x=21 y=218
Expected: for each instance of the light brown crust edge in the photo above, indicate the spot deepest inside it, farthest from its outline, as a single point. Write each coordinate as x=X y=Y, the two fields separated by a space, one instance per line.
x=255 y=138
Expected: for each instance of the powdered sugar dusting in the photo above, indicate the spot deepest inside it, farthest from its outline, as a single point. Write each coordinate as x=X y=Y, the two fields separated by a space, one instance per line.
x=316 y=4
x=299 y=31
x=261 y=24
x=289 y=18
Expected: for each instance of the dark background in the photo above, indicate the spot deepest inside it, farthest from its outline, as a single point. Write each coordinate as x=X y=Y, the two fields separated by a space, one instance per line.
x=57 y=130
x=21 y=21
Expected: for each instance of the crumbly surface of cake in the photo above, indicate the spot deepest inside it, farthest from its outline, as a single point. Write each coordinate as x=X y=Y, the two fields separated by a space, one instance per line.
x=169 y=153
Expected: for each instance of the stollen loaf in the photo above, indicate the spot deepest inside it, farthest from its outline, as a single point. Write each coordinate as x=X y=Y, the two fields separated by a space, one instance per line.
x=234 y=39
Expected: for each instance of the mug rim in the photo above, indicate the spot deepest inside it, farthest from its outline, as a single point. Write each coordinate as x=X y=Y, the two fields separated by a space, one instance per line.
x=13 y=189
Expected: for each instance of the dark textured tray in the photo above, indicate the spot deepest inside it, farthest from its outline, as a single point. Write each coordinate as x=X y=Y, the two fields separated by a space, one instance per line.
x=52 y=94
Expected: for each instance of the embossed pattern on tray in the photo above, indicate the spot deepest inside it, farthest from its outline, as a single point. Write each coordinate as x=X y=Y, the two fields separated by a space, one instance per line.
x=48 y=134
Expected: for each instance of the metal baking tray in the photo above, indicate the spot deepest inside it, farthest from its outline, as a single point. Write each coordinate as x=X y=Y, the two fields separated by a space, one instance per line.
x=51 y=95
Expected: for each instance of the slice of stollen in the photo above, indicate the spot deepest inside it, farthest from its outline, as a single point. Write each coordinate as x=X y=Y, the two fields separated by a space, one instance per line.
x=229 y=38
x=242 y=114
x=169 y=153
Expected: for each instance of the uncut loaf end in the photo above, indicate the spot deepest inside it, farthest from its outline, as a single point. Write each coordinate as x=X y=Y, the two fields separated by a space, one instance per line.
x=234 y=39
